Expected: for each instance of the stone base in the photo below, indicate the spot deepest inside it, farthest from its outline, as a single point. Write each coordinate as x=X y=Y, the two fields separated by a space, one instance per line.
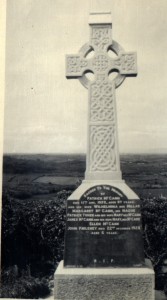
x=104 y=283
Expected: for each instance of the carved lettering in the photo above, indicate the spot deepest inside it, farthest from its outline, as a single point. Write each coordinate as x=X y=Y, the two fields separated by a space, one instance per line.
x=109 y=214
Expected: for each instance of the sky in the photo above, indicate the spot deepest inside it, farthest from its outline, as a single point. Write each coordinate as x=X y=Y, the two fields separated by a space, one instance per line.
x=45 y=112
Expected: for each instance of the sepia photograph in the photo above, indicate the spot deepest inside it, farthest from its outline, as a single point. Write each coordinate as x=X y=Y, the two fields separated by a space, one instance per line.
x=84 y=149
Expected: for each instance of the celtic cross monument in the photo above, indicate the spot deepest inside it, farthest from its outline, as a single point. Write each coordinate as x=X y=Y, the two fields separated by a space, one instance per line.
x=103 y=255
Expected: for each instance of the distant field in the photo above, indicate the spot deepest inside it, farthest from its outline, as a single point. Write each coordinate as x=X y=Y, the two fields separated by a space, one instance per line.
x=10 y=180
x=43 y=174
x=62 y=180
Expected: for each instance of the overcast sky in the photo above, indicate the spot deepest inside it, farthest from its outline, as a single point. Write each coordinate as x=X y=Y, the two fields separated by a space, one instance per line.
x=45 y=112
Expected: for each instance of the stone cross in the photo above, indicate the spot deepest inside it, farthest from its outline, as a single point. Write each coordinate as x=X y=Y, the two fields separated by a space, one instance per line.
x=102 y=154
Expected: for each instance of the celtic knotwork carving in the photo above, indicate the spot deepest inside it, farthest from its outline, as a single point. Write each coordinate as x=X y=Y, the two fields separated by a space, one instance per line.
x=128 y=62
x=102 y=102
x=101 y=37
x=107 y=89
x=75 y=64
x=102 y=142
x=100 y=63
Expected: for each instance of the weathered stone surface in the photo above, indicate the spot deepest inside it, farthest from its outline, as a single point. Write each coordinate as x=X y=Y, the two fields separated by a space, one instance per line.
x=106 y=226
x=103 y=283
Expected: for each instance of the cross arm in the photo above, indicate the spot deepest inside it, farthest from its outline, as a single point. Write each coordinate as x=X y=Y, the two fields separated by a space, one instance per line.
x=75 y=66
x=126 y=63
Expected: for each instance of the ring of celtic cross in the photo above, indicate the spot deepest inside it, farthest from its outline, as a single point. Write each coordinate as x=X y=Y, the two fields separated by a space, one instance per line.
x=101 y=62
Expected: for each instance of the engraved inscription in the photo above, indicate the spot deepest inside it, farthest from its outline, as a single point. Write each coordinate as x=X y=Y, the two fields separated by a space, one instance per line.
x=103 y=216
x=103 y=210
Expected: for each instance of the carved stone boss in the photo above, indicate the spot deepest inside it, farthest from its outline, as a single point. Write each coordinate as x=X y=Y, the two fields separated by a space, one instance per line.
x=102 y=155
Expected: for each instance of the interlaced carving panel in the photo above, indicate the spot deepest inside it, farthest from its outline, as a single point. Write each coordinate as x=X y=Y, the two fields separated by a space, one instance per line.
x=75 y=65
x=101 y=37
x=126 y=63
x=102 y=102
x=102 y=145
x=100 y=63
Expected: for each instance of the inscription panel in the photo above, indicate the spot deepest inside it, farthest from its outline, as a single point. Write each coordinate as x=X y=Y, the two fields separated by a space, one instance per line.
x=103 y=229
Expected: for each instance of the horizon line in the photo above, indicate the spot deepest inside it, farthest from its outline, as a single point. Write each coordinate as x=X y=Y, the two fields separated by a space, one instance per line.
x=79 y=153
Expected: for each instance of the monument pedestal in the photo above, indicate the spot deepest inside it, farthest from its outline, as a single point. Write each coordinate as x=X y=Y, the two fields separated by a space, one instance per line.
x=104 y=283
x=103 y=226
x=103 y=257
